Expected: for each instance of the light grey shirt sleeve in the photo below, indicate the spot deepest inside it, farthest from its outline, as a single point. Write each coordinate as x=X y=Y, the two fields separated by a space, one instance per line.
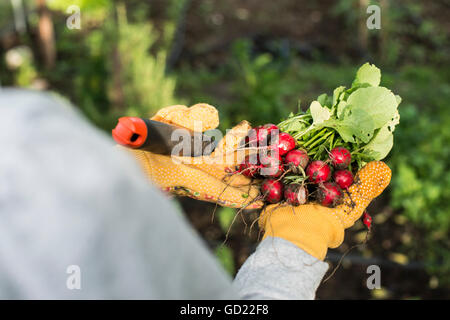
x=71 y=204
x=279 y=270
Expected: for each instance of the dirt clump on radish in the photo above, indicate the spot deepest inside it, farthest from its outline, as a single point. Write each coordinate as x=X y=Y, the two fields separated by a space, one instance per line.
x=329 y=194
x=340 y=157
x=318 y=172
x=296 y=158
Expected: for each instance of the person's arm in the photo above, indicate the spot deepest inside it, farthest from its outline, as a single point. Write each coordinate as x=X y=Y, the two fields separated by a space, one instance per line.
x=279 y=270
x=67 y=198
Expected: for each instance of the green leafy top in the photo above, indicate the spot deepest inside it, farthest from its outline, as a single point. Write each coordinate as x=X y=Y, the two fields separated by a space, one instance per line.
x=361 y=118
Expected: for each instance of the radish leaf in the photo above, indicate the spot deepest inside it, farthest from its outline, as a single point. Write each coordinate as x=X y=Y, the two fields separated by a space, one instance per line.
x=379 y=103
x=367 y=74
x=380 y=145
x=319 y=113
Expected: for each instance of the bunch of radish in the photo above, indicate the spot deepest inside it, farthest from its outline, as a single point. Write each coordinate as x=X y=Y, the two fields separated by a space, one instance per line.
x=287 y=174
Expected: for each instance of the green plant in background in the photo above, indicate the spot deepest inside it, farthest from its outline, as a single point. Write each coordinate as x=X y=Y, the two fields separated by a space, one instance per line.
x=257 y=89
x=225 y=217
x=119 y=64
x=260 y=87
x=199 y=85
x=20 y=61
x=84 y=54
x=408 y=32
x=91 y=10
x=145 y=85
x=6 y=15
x=225 y=257
x=430 y=42
x=26 y=74
x=421 y=180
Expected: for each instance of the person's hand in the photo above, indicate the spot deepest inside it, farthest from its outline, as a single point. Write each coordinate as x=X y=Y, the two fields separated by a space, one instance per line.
x=315 y=228
x=204 y=178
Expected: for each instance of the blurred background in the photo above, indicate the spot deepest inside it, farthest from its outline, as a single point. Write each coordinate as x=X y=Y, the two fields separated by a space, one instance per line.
x=254 y=60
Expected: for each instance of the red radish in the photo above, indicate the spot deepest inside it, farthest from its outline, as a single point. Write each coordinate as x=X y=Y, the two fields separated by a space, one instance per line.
x=329 y=194
x=296 y=158
x=253 y=137
x=259 y=135
x=318 y=171
x=272 y=190
x=270 y=158
x=273 y=172
x=284 y=143
x=343 y=178
x=249 y=168
x=269 y=128
x=295 y=194
x=367 y=220
x=340 y=157
x=271 y=164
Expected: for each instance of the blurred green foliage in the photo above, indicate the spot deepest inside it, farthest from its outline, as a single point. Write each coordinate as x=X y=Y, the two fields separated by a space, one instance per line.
x=261 y=88
x=407 y=34
x=145 y=85
x=420 y=162
x=6 y=11
x=21 y=61
x=225 y=217
x=118 y=66
x=225 y=256
x=87 y=5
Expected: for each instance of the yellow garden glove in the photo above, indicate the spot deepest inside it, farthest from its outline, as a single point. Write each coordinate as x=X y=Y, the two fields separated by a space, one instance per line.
x=315 y=228
x=204 y=178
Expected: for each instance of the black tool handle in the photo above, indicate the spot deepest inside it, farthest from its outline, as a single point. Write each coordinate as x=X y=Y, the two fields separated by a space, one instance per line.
x=167 y=139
